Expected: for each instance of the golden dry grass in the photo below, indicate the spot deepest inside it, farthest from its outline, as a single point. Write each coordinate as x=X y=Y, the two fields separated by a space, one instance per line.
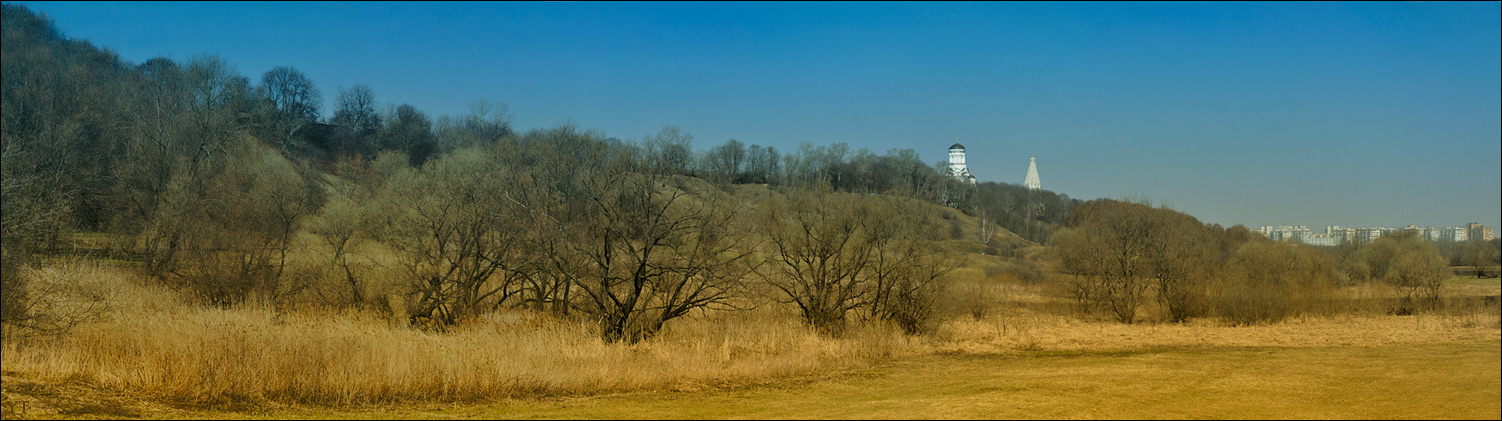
x=1028 y=318
x=155 y=348
x=1434 y=381
x=154 y=344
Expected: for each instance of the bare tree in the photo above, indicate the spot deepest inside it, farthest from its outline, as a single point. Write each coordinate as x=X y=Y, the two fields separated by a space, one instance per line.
x=762 y=164
x=1107 y=240
x=726 y=163
x=820 y=247
x=1178 y=258
x=410 y=131
x=338 y=225
x=832 y=253
x=1409 y=264
x=183 y=121
x=453 y=233
x=639 y=245
x=355 y=114
x=907 y=267
x=240 y=246
x=670 y=149
x=1481 y=255
x=1266 y=281
x=293 y=102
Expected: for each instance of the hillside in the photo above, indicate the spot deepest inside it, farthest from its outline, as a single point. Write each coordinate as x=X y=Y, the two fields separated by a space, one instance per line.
x=963 y=231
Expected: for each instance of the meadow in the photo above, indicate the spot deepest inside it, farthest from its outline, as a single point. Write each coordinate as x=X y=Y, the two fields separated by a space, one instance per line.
x=157 y=356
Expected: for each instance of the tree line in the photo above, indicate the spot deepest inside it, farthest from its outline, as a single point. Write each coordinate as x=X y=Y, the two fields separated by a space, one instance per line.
x=1116 y=256
x=205 y=178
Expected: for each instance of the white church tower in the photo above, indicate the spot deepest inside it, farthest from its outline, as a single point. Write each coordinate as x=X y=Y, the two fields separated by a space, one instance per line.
x=957 y=166
x=1031 y=182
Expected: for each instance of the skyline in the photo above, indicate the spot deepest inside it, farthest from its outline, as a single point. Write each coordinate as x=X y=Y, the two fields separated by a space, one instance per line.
x=1352 y=114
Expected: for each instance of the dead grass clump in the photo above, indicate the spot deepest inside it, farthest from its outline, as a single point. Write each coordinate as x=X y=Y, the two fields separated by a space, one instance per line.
x=1024 y=330
x=253 y=352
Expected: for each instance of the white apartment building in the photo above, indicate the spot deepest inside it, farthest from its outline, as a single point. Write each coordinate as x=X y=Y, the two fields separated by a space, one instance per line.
x=1335 y=235
x=1285 y=232
x=1324 y=239
x=1457 y=234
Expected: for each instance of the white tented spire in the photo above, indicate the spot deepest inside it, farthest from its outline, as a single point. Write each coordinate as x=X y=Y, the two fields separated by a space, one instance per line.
x=1031 y=182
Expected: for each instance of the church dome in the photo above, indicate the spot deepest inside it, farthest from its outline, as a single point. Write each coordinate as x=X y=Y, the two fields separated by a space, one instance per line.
x=957 y=145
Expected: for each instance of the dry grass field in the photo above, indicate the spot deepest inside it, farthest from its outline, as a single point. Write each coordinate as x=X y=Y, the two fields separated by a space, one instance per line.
x=156 y=357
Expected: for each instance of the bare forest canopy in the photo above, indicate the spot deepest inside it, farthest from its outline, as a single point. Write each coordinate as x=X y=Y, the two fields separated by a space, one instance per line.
x=205 y=178
x=96 y=137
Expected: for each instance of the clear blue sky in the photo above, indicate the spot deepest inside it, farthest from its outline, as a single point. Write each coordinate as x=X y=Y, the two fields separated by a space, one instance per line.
x=1357 y=114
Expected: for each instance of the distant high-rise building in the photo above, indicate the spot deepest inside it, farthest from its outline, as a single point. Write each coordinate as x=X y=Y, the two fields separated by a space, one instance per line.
x=1031 y=182
x=1478 y=231
x=1430 y=233
x=1286 y=232
x=1457 y=234
x=1367 y=235
x=957 y=168
x=1323 y=239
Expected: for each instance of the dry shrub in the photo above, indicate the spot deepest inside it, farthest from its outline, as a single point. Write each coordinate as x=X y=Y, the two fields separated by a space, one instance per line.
x=996 y=269
x=1082 y=294
x=1024 y=271
x=976 y=296
x=1247 y=305
x=1020 y=330
x=1265 y=282
x=52 y=299
x=973 y=299
x=914 y=309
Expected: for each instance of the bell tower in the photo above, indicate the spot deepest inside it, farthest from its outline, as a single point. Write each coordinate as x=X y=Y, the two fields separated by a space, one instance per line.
x=957 y=168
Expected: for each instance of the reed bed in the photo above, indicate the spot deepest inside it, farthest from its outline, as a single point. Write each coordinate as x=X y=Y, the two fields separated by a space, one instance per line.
x=153 y=343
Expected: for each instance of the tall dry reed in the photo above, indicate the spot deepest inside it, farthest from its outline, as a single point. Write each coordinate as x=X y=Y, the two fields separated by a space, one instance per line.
x=155 y=344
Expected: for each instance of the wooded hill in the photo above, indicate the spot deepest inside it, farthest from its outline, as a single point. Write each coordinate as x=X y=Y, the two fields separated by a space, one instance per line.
x=213 y=183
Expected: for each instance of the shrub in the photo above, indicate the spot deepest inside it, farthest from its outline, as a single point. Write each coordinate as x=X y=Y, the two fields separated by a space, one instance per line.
x=1246 y=305
x=1267 y=281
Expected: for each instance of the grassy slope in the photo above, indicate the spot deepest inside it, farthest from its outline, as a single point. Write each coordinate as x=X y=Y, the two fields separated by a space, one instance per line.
x=751 y=196
x=1449 y=380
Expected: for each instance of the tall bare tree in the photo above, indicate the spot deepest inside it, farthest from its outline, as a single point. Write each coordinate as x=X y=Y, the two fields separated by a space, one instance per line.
x=183 y=123
x=1108 y=240
x=1409 y=264
x=293 y=102
x=410 y=131
x=726 y=163
x=1481 y=255
x=453 y=233
x=355 y=114
x=832 y=253
x=1266 y=281
x=638 y=244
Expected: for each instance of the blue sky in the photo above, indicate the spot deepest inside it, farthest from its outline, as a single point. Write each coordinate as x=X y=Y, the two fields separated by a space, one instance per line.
x=1356 y=114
